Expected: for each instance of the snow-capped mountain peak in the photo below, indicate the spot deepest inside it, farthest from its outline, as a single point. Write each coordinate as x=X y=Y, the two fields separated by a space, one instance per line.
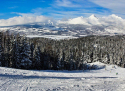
x=92 y=25
x=93 y=17
x=93 y=20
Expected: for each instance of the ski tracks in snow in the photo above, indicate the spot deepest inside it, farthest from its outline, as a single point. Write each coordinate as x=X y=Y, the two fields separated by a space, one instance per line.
x=98 y=80
x=53 y=84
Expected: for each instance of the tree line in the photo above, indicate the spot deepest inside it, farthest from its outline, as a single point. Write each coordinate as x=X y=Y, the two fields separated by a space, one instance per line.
x=69 y=54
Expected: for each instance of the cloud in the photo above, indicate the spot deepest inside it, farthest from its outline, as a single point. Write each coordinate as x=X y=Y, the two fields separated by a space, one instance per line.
x=23 y=20
x=111 y=20
x=79 y=8
x=38 y=10
x=56 y=13
x=77 y=13
x=70 y=8
x=78 y=20
x=116 y=6
x=109 y=24
x=28 y=14
x=66 y=3
x=59 y=13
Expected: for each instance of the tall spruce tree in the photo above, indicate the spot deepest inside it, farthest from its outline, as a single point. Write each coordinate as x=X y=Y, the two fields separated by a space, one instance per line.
x=0 y=47
x=16 y=55
x=37 y=59
x=25 y=61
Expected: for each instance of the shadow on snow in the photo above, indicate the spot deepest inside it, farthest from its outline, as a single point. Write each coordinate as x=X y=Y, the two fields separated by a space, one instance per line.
x=47 y=77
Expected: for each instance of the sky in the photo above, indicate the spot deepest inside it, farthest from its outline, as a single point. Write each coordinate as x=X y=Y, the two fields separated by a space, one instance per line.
x=59 y=9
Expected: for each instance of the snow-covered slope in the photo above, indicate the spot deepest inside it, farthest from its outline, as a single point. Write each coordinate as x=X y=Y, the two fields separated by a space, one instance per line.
x=110 y=78
x=55 y=37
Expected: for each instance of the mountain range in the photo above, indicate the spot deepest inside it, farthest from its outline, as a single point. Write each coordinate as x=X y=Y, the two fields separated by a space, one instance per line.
x=80 y=26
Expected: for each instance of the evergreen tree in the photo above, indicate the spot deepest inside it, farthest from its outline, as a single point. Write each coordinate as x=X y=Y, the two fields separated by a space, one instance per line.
x=32 y=47
x=59 y=64
x=0 y=47
x=37 y=59
x=25 y=61
x=16 y=55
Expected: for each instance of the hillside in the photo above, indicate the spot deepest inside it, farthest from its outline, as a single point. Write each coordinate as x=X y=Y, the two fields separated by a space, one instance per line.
x=110 y=78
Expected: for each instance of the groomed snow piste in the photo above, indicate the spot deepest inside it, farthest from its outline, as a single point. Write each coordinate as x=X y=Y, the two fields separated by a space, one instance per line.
x=105 y=78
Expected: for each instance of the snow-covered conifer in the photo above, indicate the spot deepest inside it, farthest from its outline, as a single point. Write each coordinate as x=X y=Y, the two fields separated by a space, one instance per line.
x=25 y=61
x=37 y=59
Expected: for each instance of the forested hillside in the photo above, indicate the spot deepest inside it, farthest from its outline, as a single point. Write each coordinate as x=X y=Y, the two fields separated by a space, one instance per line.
x=70 y=54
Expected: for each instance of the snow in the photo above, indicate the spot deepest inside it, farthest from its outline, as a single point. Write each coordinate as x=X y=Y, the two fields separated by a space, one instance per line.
x=93 y=20
x=108 y=25
x=110 y=78
x=55 y=37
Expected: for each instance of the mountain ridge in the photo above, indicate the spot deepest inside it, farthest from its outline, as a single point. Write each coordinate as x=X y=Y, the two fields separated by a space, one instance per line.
x=79 y=26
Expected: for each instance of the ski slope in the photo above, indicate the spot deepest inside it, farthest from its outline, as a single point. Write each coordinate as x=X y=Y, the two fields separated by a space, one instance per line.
x=105 y=78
